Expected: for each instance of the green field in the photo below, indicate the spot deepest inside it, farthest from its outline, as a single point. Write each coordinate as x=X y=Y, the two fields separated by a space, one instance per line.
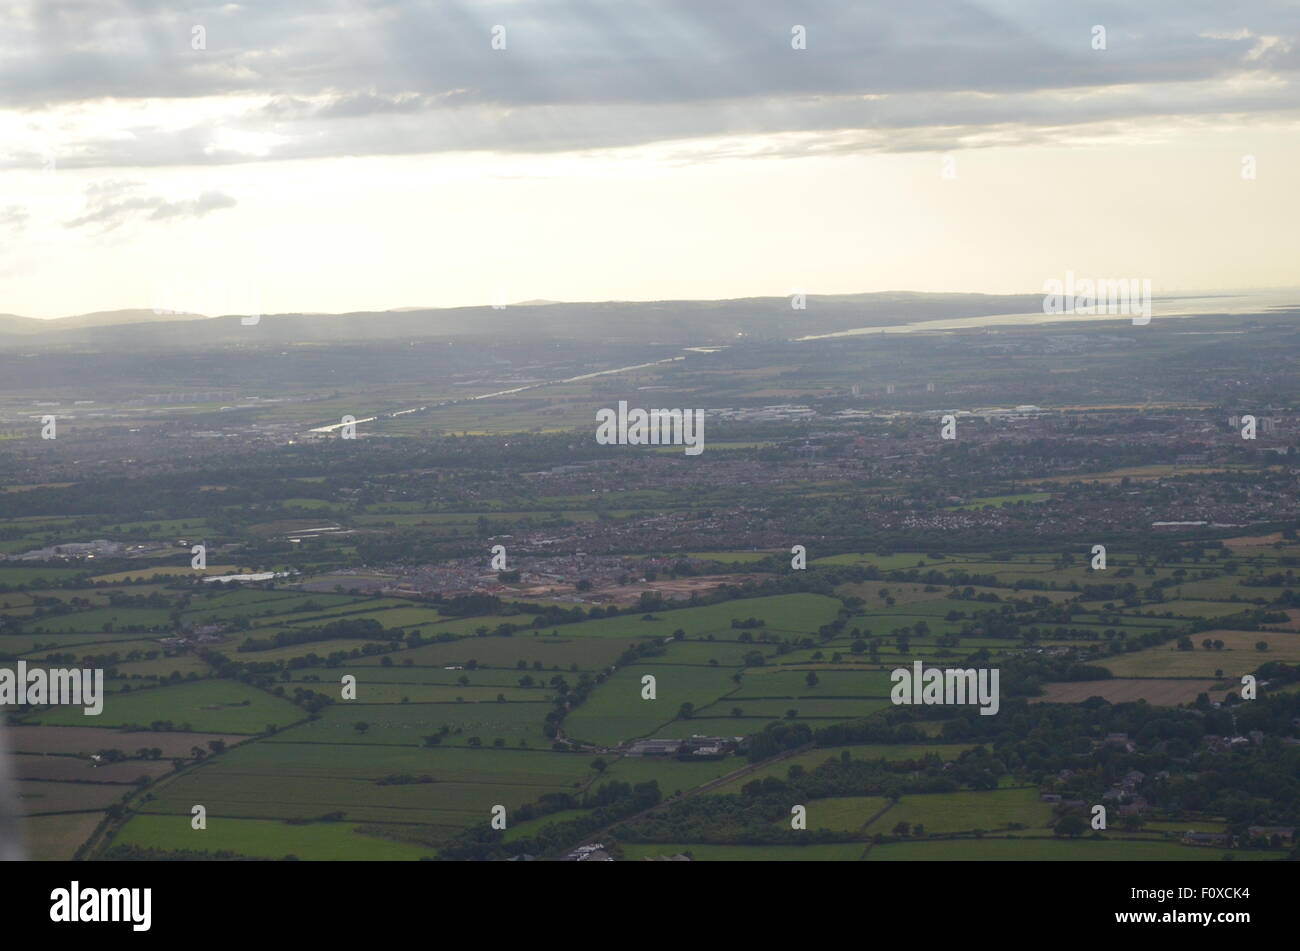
x=264 y=838
x=838 y=852
x=402 y=724
x=216 y=706
x=1054 y=850
x=943 y=813
x=616 y=711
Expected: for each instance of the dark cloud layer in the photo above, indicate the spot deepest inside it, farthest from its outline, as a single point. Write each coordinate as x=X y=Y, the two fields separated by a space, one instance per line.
x=413 y=76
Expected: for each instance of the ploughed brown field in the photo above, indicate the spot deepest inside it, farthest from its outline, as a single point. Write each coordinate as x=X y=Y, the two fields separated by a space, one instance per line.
x=85 y=739
x=1164 y=693
x=1253 y=541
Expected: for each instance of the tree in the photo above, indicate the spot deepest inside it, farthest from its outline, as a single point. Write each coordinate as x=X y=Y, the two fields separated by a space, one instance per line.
x=1261 y=645
x=361 y=726
x=1072 y=826
x=599 y=765
x=811 y=679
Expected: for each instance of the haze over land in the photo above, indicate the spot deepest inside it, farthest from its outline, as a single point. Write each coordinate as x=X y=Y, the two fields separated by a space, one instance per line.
x=361 y=473
x=691 y=153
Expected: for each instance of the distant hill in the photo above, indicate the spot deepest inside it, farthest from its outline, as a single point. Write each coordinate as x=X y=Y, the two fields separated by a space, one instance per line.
x=683 y=322
x=112 y=318
x=12 y=323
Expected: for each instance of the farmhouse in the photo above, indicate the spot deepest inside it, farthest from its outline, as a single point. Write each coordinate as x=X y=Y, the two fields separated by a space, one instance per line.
x=1206 y=838
x=654 y=748
x=1284 y=833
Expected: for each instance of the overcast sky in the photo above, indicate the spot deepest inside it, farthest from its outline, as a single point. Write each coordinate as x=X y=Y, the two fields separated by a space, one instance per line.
x=335 y=156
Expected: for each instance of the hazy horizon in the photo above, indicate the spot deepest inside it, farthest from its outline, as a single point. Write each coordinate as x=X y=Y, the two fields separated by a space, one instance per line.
x=684 y=152
x=1176 y=294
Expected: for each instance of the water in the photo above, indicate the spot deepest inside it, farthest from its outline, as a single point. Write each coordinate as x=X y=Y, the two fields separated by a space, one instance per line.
x=1246 y=302
x=1243 y=302
x=514 y=389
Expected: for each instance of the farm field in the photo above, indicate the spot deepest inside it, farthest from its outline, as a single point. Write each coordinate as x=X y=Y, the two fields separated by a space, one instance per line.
x=944 y=813
x=216 y=706
x=78 y=769
x=57 y=838
x=37 y=798
x=553 y=653
x=811 y=759
x=671 y=774
x=401 y=724
x=79 y=739
x=307 y=781
x=1238 y=656
x=1159 y=692
x=844 y=813
x=615 y=712
x=1054 y=850
x=837 y=852
x=264 y=838
x=524 y=687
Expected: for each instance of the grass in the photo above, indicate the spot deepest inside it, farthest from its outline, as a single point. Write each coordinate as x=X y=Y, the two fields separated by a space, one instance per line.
x=616 y=711
x=943 y=813
x=405 y=724
x=217 y=706
x=1053 y=850
x=309 y=780
x=1238 y=657
x=814 y=758
x=263 y=838
x=838 y=852
x=842 y=814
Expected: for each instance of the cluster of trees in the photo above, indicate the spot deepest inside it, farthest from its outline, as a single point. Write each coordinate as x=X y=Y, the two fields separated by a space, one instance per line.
x=760 y=813
x=606 y=805
x=342 y=629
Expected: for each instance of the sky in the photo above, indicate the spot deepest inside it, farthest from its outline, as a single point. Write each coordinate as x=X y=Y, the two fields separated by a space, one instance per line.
x=341 y=156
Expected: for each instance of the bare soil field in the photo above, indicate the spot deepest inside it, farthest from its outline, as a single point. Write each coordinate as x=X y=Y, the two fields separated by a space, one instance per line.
x=37 y=798
x=1253 y=541
x=89 y=739
x=674 y=589
x=57 y=838
x=74 y=768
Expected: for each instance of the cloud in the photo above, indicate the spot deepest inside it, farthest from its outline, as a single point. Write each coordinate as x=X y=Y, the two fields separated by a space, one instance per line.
x=110 y=204
x=404 y=76
x=13 y=218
